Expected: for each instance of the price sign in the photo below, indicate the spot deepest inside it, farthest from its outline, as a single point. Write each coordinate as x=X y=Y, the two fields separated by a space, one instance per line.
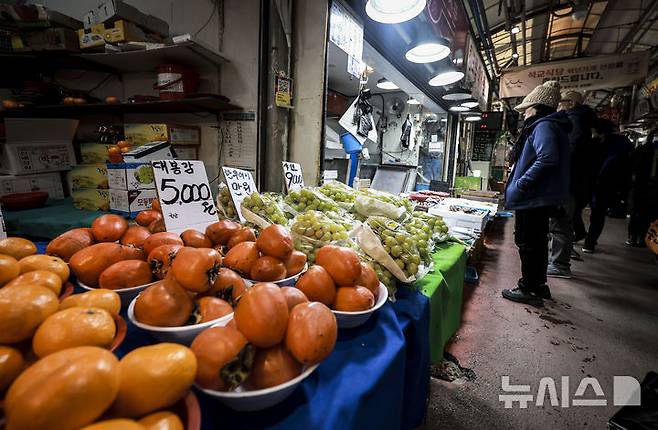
x=292 y=176
x=241 y=184
x=184 y=195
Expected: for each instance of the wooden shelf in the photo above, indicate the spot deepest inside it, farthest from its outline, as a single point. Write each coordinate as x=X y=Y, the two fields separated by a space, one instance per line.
x=189 y=53
x=189 y=105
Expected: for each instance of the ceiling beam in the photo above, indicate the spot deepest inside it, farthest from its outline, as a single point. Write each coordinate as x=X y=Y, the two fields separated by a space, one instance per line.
x=630 y=36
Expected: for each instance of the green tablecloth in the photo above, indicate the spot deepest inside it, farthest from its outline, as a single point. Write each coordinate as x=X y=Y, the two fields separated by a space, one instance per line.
x=49 y=221
x=444 y=286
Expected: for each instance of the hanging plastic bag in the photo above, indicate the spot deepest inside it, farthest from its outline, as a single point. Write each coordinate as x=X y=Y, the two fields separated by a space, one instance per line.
x=371 y=202
x=225 y=206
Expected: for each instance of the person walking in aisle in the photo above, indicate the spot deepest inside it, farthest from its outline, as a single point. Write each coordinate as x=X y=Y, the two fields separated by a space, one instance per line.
x=613 y=155
x=643 y=202
x=539 y=182
x=561 y=225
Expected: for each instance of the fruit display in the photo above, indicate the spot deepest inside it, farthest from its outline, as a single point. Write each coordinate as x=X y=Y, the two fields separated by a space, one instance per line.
x=225 y=203
x=270 y=343
x=370 y=202
x=314 y=229
x=310 y=199
x=425 y=230
x=267 y=206
x=338 y=192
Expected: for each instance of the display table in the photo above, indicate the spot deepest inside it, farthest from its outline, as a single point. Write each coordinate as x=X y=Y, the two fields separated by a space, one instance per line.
x=49 y=221
x=444 y=287
x=377 y=377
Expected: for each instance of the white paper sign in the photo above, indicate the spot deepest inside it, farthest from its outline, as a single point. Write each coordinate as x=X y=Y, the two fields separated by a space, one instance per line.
x=292 y=176
x=241 y=184
x=3 y=228
x=184 y=195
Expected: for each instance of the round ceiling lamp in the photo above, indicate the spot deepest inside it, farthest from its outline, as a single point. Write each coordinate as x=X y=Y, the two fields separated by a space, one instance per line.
x=412 y=101
x=385 y=84
x=394 y=11
x=446 y=77
x=458 y=108
x=470 y=104
x=429 y=50
x=473 y=118
x=456 y=94
x=516 y=29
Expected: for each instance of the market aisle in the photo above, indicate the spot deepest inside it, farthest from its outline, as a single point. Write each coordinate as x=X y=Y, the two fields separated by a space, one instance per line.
x=601 y=323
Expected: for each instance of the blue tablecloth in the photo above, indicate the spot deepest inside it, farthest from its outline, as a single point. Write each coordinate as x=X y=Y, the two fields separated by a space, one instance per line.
x=376 y=378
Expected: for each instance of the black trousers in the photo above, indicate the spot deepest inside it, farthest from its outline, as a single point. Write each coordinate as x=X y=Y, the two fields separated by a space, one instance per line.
x=596 y=223
x=579 y=231
x=531 y=237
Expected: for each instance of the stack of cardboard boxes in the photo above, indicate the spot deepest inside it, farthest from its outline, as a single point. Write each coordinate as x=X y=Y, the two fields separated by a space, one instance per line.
x=34 y=154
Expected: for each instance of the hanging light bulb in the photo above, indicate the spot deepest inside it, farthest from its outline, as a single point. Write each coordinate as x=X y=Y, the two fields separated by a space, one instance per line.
x=473 y=118
x=456 y=94
x=385 y=84
x=516 y=29
x=394 y=11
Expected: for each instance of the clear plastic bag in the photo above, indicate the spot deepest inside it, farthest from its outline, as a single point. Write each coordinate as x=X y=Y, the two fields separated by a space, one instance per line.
x=310 y=199
x=314 y=229
x=225 y=206
x=268 y=206
x=339 y=192
x=371 y=202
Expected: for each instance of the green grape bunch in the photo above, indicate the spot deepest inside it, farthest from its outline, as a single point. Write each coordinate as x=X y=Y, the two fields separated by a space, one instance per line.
x=435 y=223
x=226 y=203
x=310 y=200
x=313 y=230
x=266 y=206
x=338 y=192
x=398 y=243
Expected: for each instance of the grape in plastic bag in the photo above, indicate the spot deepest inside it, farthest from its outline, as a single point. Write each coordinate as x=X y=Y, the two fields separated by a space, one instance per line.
x=268 y=206
x=225 y=203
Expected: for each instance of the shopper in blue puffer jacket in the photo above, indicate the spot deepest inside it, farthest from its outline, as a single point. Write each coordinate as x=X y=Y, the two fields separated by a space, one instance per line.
x=539 y=183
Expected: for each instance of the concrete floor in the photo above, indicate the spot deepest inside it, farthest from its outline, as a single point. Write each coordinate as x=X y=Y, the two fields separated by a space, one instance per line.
x=601 y=323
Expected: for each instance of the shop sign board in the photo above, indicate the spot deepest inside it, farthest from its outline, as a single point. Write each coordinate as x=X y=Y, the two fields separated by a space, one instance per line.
x=184 y=195
x=347 y=33
x=595 y=73
x=292 y=176
x=240 y=184
x=476 y=75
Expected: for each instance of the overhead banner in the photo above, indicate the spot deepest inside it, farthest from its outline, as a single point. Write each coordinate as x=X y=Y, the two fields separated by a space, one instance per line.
x=584 y=74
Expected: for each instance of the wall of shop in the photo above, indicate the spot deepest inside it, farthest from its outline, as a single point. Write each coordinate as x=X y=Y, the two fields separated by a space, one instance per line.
x=232 y=28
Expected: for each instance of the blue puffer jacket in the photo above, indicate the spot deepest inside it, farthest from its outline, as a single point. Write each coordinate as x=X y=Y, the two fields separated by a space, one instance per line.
x=541 y=175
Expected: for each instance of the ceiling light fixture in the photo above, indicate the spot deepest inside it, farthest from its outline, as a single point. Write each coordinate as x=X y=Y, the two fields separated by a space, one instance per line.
x=446 y=78
x=412 y=101
x=473 y=118
x=516 y=29
x=515 y=55
x=394 y=11
x=457 y=94
x=458 y=108
x=470 y=104
x=385 y=84
x=428 y=50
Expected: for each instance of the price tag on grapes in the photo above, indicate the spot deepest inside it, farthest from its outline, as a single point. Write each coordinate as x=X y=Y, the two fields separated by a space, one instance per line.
x=292 y=176
x=241 y=184
x=184 y=195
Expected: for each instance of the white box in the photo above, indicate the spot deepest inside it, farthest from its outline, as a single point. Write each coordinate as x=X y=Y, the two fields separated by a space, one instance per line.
x=130 y=203
x=49 y=182
x=37 y=145
x=130 y=176
x=476 y=220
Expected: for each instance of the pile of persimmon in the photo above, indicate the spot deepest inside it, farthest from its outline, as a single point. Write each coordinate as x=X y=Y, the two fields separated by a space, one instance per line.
x=88 y=388
x=340 y=280
x=269 y=258
x=275 y=333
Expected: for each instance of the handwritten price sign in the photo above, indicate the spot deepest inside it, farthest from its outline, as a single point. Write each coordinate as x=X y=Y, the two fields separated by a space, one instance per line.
x=184 y=195
x=241 y=184
x=292 y=176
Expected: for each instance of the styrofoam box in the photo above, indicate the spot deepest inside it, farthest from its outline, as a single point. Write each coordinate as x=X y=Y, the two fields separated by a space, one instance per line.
x=130 y=176
x=491 y=207
x=130 y=203
x=460 y=219
x=49 y=182
x=36 y=145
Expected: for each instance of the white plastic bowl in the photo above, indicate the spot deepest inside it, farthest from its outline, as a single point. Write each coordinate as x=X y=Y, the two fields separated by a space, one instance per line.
x=126 y=294
x=183 y=335
x=355 y=319
x=256 y=400
x=287 y=282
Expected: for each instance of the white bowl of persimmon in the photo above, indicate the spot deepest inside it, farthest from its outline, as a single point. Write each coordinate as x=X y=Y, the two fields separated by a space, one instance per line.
x=349 y=286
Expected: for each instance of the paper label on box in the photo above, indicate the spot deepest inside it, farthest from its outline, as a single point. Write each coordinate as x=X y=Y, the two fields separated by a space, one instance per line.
x=292 y=176
x=241 y=184
x=184 y=195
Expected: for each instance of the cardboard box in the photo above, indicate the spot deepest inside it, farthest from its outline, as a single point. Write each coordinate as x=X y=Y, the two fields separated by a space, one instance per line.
x=49 y=182
x=91 y=200
x=130 y=176
x=89 y=176
x=37 y=145
x=113 y=10
x=52 y=39
x=91 y=37
x=139 y=134
x=149 y=152
x=187 y=152
x=94 y=153
x=124 y=31
x=130 y=203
